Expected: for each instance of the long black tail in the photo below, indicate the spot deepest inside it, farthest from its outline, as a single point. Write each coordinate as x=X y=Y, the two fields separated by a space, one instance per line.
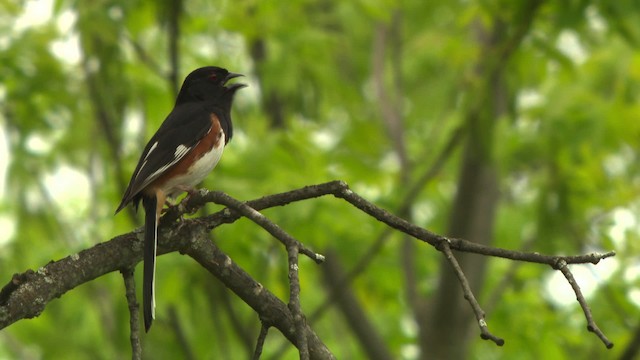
x=150 y=244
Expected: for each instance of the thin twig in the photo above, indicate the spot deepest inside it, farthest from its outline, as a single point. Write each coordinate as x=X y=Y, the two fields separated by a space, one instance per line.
x=468 y=294
x=294 y=302
x=264 y=329
x=461 y=244
x=294 y=247
x=246 y=210
x=132 y=302
x=270 y=308
x=532 y=257
x=591 y=324
x=430 y=173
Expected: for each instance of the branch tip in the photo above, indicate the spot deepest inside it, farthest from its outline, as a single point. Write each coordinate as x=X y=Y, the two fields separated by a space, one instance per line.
x=486 y=335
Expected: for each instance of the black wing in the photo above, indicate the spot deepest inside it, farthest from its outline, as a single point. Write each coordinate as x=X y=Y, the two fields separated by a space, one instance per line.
x=179 y=133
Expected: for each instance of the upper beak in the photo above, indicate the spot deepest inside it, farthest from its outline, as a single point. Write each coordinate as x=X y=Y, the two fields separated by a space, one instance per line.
x=231 y=76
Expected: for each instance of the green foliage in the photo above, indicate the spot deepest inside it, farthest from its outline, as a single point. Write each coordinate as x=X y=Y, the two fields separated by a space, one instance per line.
x=566 y=150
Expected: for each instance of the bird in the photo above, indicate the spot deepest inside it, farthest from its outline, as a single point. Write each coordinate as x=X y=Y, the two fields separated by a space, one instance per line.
x=182 y=152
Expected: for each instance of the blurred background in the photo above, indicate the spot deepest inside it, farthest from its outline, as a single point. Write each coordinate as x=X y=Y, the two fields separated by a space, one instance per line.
x=510 y=123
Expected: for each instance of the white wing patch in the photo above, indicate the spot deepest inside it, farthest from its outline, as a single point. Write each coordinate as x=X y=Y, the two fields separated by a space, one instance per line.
x=153 y=147
x=144 y=161
x=196 y=172
x=181 y=150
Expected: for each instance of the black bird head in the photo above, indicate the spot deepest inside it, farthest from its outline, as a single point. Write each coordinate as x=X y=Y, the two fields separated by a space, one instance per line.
x=208 y=83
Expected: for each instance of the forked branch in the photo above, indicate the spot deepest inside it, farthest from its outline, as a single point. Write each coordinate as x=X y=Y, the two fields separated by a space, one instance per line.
x=18 y=297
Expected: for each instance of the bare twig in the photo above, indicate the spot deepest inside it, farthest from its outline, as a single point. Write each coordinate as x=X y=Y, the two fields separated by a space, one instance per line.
x=293 y=248
x=134 y=323
x=246 y=210
x=294 y=302
x=264 y=329
x=403 y=208
x=591 y=324
x=270 y=309
x=532 y=257
x=468 y=294
x=468 y=246
x=408 y=198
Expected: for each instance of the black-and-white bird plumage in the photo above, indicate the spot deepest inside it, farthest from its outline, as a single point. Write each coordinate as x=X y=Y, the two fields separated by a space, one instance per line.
x=186 y=147
x=185 y=126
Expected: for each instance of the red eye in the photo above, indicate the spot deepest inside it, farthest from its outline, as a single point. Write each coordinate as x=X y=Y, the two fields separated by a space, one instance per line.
x=213 y=77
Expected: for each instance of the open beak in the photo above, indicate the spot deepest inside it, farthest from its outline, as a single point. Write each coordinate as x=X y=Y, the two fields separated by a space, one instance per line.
x=231 y=76
x=236 y=86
